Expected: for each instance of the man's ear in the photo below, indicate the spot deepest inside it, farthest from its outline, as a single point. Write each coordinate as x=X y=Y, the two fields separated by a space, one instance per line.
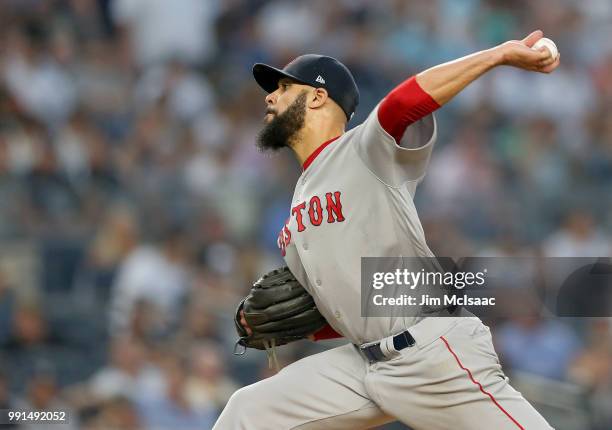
x=317 y=98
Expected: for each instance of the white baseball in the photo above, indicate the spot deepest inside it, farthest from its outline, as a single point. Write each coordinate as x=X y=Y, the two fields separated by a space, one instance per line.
x=549 y=44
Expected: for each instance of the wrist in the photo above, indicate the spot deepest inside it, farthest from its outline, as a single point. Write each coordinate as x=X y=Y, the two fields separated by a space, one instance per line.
x=497 y=56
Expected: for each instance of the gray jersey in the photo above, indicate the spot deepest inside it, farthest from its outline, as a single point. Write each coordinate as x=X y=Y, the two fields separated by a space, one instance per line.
x=356 y=200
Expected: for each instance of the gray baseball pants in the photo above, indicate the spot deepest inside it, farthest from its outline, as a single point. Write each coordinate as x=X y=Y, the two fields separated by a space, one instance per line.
x=450 y=379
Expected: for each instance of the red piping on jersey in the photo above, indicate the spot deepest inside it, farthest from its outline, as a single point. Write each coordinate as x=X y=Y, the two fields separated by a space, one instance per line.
x=327 y=332
x=479 y=385
x=405 y=104
x=316 y=152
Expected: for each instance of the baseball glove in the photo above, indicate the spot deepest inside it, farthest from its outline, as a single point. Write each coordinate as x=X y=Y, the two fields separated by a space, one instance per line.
x=278 y=310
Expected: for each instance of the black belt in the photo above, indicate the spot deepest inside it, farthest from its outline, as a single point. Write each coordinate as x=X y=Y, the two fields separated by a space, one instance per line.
x=373 y=352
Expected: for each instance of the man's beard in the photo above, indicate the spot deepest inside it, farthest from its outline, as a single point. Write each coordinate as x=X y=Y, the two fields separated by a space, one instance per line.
x=282 y=130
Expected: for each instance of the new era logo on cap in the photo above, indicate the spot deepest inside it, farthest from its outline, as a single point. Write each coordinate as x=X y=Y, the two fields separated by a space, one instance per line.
x=320 y=79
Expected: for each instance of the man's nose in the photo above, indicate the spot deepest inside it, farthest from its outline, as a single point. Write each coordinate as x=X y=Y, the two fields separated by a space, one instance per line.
x=271 y=99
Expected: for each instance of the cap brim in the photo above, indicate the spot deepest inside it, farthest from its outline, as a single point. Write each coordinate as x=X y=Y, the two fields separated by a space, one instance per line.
x=267 y=77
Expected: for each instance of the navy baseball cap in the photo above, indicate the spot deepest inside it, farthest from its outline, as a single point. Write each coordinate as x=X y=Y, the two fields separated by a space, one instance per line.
x=318 y=71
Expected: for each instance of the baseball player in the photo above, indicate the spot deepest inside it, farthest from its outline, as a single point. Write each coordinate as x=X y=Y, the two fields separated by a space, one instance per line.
x=353 y=199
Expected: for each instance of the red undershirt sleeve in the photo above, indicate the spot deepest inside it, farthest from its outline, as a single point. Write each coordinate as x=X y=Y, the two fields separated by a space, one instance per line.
x=327 y=332
x=404 y=105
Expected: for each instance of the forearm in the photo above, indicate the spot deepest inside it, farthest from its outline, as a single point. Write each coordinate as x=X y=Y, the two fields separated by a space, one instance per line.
x=445 y=81
x=422 y=94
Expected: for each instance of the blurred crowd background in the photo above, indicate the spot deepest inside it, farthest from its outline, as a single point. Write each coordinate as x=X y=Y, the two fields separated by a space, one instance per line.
x=135 y=209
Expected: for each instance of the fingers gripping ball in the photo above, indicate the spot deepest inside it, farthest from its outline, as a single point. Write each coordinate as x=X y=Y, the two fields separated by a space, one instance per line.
x=278 y=310
x=548 y=44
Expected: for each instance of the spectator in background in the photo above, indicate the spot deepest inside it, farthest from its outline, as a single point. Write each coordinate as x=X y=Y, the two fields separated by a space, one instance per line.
x=115 y=239
x=592 y=369
x=105 y=80
x=83 y=156
x=189 y=94
x=41 y=86
x=29 y=330
x=32 y=342
x=24 y=139
x=578 y=237
x=53 y=200
x=172 y=409
x=43 y=395
x=148 y=324
x=129 y=374
x=117 y=236
x=209 y=383
x=199 y=323
x=118 y=413
x=160 y=30
x=156 y=274
x=527 y=343
x=541 y=161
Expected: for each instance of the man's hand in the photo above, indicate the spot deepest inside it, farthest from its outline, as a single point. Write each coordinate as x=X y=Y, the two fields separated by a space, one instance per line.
x=244 y=323
x=518 y=53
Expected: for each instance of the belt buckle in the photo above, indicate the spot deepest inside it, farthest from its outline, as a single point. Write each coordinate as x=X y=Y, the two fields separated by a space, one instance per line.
x=369 y=351
x=364 y=349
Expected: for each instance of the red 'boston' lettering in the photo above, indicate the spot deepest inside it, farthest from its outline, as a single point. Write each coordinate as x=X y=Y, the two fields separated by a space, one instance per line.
x=334 y=207
x=297 y=211
x=281 y=244
x=287 y=235
x=284 y=238
x=315 y=211
x=315 y=215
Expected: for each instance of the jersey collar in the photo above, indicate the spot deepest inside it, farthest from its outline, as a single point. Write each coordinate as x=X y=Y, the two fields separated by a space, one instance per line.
x=316 y=152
